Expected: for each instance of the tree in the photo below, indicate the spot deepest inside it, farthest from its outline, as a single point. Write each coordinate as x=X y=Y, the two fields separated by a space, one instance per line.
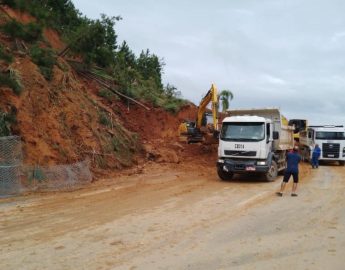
x=151 y=67
x=171 y=91
x=125 y=53
x=225 y=97
x=95 y=41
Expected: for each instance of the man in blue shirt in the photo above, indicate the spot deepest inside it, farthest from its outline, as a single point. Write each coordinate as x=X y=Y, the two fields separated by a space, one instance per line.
x=292 y=158
x=315 y=156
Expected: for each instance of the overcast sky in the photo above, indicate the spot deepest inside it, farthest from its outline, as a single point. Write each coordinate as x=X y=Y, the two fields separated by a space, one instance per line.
x=269 y=53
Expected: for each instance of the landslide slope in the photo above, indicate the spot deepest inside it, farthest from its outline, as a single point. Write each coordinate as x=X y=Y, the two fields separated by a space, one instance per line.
x=65 y=118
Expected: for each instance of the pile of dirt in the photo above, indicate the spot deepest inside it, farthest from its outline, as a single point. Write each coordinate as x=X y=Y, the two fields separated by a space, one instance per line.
x=155 y=123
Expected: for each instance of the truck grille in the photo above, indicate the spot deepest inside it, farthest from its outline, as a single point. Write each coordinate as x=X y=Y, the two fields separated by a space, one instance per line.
x=240 y=153
x=330 y=150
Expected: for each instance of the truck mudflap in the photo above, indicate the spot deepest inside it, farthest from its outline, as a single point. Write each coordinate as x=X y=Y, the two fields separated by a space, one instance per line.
x=241 y=166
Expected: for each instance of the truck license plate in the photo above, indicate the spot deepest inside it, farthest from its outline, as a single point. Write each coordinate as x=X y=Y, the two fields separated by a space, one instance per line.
x=250 y=168
x=330 y=155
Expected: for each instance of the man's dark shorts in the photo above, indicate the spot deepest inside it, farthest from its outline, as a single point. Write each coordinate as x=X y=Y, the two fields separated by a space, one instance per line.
x=287 y=176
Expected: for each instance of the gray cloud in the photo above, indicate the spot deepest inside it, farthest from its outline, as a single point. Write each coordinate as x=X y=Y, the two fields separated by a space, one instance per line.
x=287 y=54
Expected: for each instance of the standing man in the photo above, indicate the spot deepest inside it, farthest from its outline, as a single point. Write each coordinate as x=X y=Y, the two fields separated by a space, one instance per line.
x=315 y=157
x=293 y=158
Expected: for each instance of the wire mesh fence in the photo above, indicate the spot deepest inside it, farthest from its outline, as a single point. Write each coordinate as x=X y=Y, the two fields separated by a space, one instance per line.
x=10 y=165
x=57 y=177
x=16 y=177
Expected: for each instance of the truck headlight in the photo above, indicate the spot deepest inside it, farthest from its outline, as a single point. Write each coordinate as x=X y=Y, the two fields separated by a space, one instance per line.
x=220 y=160
x=261 y=163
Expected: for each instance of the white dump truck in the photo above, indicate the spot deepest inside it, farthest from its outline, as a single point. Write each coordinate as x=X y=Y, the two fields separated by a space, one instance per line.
x=331 y=140
x=254 y=141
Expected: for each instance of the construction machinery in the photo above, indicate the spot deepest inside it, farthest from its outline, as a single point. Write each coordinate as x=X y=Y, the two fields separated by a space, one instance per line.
x=203 y=130
x=331 y=140
x=300 y=125
x=254 y=141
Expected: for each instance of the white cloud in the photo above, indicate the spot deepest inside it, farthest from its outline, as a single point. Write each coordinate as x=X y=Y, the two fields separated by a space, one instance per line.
x=270 y=79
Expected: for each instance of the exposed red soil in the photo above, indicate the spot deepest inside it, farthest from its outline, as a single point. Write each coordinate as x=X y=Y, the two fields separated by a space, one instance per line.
x=49 y=34
x=22 y=17
x=156 y=123
x=59 y=120
x=51 y=119
x=53 y=38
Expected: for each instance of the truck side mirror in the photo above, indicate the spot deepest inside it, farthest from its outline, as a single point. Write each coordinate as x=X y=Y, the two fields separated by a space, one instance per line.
x=275 y=135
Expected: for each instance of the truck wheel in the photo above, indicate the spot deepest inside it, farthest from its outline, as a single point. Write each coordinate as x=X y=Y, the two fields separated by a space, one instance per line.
x=341 y=162
x=224 y=175
x=272 y=173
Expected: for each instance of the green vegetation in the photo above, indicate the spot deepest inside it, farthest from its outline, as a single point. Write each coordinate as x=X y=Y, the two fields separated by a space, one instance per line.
x=28 y=32
x=11 y=79
x=6 y=121
x=107 y=94
x=225 y=97
x=95 y=41
x=124 y=145
x=60 y=15
x=8 y=58
x=173 y=101
x=104 y=119
x=45 y=59
x=10 y=3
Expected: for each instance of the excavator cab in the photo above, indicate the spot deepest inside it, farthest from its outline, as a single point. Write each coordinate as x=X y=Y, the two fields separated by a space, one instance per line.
x=300 y=126
x=203 y=129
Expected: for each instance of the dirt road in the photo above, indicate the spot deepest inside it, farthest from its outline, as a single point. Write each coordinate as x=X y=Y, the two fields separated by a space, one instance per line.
x=172 y=217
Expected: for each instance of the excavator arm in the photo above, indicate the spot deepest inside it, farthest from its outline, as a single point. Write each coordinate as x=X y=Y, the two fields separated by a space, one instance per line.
x=197 y=131
x=211 y=96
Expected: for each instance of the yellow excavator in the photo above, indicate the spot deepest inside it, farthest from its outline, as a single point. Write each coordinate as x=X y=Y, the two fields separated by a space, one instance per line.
x=201 y=130
x=300 y=125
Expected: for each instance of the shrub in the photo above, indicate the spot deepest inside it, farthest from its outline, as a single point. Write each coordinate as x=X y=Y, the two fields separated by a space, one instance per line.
x=29 y=32
x=14 y=29
x=11 y=79
x=44 y=59
x=104 y=119
x=107 y=94
x=5 y=56
x=122 y=148
x=6 y=120
x=173 y=105
x=33 y=32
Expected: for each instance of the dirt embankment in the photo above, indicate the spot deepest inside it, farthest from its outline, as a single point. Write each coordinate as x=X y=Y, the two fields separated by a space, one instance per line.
x=65 y=120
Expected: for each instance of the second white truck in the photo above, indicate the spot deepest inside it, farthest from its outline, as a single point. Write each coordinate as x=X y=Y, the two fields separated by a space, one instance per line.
x=254 y=141
x=331 y=140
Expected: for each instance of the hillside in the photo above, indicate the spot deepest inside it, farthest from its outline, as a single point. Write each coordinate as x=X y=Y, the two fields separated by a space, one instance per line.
x=63 y=116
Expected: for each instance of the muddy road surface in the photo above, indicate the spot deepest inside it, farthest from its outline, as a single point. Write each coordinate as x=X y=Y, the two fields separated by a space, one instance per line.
x=175 y=217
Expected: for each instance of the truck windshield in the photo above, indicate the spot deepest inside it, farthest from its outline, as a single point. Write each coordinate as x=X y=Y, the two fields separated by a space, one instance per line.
x=330 y=135
x=243 y=131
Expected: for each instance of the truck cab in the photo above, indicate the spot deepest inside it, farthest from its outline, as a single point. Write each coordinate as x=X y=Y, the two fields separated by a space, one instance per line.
x=253 y=144
x=245 y=136
x=331 y=140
